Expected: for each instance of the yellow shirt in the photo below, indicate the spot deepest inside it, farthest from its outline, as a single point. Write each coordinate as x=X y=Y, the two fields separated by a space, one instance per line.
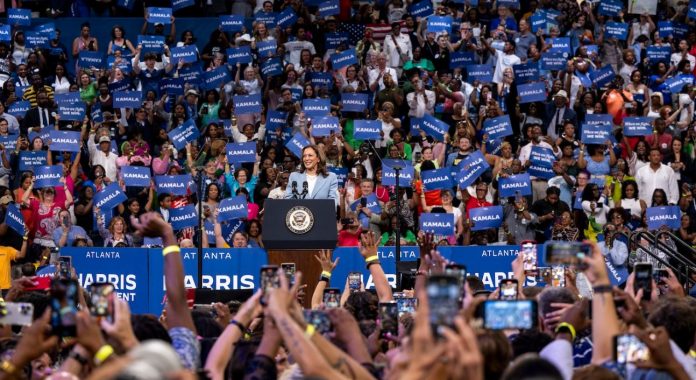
x=7 y=254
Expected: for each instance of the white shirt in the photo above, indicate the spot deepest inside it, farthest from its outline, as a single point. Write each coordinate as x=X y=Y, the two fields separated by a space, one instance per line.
x=527 y=150
x=417 y=105
x=97 y=157
x=373 y=74
x=677 y=57
x=61 y=85
x=311 y=181
x=294 y=50
x=503 y=61
x=663 y=178
x=404 y=43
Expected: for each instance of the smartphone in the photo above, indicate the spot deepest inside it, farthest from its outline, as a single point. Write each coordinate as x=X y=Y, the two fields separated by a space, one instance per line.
x=389 y=319
x=346 y=221
x=567 y=253
x=443 y=297
x=659 y=274
x=42 y=283
x=509 y=314
x=332 y=298
x=101 y=295
x=363 y=202
x=17 y=313
x=558 y=276
x=269 y=278
x=64 y=267
x=64 y=306
x=289 y=269
x=206 y=308
x=629 y=349
x=405 y=304
x=319 y=319
x=643 y=279
x=456 y=270
x=66 y=220
x=508 y=289
x=354 y=281
x=529 y=258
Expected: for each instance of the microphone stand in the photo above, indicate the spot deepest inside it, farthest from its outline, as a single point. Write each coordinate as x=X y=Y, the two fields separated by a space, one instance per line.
x=295 y=194
x=305 y=191
x=201 y=230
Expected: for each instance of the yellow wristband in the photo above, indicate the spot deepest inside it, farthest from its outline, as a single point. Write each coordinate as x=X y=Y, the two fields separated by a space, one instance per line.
x=171 y=249
x=104 y=352
x=8 y=367
x=372 y=258
x=309 y=331
x=326 y=274
x=568 y=326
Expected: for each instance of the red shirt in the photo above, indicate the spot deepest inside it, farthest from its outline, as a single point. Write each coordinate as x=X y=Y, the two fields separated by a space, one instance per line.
x=473 y=202
x=348 y=239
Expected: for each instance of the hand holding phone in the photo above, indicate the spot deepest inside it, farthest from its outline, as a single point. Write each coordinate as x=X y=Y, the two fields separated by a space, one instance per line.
x=508 y=289
x=643 y=278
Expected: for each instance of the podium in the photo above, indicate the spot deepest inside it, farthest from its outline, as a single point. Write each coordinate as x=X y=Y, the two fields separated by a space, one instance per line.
x=295 y=230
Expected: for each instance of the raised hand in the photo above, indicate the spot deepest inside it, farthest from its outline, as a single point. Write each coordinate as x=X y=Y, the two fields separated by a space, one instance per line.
x=368 y=245
x=324 y=258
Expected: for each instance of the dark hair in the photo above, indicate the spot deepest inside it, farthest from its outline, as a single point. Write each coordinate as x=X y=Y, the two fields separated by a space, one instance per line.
x=529 y=341
x=531 y=366
x=207 y=190
x=551 y=190
x=676 y=316
x=321 y=166
x=554 y=295
x=626 y=183
x=664 y=197
x=362 y=305
x=113 y=32
x=427 y=165
x=587 y=192
x=148 y=327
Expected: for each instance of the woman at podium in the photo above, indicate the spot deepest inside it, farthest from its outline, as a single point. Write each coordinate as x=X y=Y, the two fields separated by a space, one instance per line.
x=313 y=181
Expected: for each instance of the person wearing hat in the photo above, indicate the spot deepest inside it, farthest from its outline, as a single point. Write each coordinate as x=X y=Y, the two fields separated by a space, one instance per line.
x=191 y=104
x=556 y=113
x=398 y=48
x=101 y=155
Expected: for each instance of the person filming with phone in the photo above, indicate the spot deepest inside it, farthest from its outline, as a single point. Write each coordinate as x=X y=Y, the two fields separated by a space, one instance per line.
x=66 y=233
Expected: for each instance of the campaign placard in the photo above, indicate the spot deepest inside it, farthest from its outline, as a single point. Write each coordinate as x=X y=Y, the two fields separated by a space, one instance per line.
x=231 y=23
x=532 y=92
x=173 y=184
x=660 y=216
x=498 y=127
x=247 y=104
x=406 y=172
x=437 y=223
x=471 y=168
x=186 y=54
x=14 y=219
x=354 y=102
x=48 y=176
x=434 y=127
x=109 y=197
x=233 y=208
x=136 y=176
x=515 y=184
x=128 y=99
x=437 y=179
x=90 y=59
x=481 y=73
x=183 y=217
x=30 y=160
x=286 y=18
x=367 y=129
x=343 y=59
x=603 y=76
x=316 y=107
x=19 y=16
x=325 y=125
x=595 y=134
x=64 y=141
x=157 y=15
x=296 y=144
x=241 y=152
x=637 y=126
x=329 y=8
x=483 y=218
x=183 y=134
x=240 y=54
x=214 y=79
x=71 y=111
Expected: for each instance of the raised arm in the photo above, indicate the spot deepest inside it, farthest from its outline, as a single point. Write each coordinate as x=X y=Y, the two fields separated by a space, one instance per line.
x=368 y=250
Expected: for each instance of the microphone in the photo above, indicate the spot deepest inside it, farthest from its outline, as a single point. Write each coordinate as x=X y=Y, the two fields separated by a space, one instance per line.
x=304 y=189
x=294 y=189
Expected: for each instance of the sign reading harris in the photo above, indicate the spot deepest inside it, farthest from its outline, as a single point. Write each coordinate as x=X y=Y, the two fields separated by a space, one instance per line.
x=128 y=99
x=247 y=104
x=157 y=15
x=498 y=127
x=14 y=219
x=183 y=217
x=471 y=168
x=354 y=102
x=437 y=223
x=183 y=134
x=241 y=152
x=532 y=92
x=173 y=184
x=109 y=197
x=483 y=218
x=64 y=141
x=595 y=134
x=136 y=176
x=437 y=179
x=367 y=129
x=515 y=184
x=48 y=176
x=663 y=216
x=637 y=126
x=232 y=208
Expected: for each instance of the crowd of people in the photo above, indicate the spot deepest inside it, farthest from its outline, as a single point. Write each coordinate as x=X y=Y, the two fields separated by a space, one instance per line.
x=462 y=68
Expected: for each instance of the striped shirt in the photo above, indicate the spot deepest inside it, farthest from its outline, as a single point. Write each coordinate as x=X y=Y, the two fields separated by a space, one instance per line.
x=30 y=94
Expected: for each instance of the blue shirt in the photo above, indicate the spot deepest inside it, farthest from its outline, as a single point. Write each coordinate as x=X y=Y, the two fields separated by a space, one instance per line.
x=73 y=233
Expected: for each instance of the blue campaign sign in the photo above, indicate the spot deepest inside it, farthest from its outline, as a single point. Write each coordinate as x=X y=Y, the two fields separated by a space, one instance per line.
x=36 y=40
x=268 y=18
x=498 y=127
x=421 y=9
x=126 y=268
x=481 y=73
x=127 y=4
x=5 y=33
x=48 y=29
x=30 y=160
x=437 y=223
x=483 y=218
x=532 y=92
x=659 y=216
x=389 y=173
x=233 y=208
x=692 y=10
x=241 y=152
x=542 y=156
x=19 y=16
x=151 y=44
x=637 y=126
x=324 y=126
x=286 y=18
x=333 y=40
x=343 y=59
x=71 y=111
x=440 y=24
x=437 y=179
x=229 y=228
x=240 y=54
x=233 y=268
x=618 y=30
x=156 y=283
x=48 y=176
x=96 y=113
x=553 y=61
x=187 y=54
x=595 y=134
x=676 y=84
x=191 y=74
x=371 y=202
x=434 y=127
x=275 y=120
x=14 y=219
x=354 y=102
x=89 y=59
x=231 y=23
x=171 y=86
x=603 y=76
x=560 y=45
x=213 y=79
x=459 y=59
x=512 y=4
x=321 y=80
x=271 y=67
x=680 y=30
x=598 y=118
x=514 y=184
x=68 y=97
x=296 y=144
x=610 y=8
x=156 y=15
x=183 y=217
x=172 y=184
x=351 y=261
x=184 y=133
x=665 y=28
x=316 y=107
x=526 y=72
x=64 y=141
x=9 y=142
x=109 y=197
x=657 y=54
x=18 y=109
x=122 y=85
x=181 y=4
x=247 y=104
x=540 y=171
x=538 y=21
x=341 y=174
x=128 y=99
x=367 y=129
x=266 y=48
x=617 y=274
x=136 y=176
x=329 y=8
x=470 y=168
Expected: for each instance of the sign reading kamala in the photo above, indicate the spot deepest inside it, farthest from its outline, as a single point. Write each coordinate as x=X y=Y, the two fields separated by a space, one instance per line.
x=663 y=216
x=240 y=54
x=603 y=76
x=389 y=173
x=29 y=160
x=241 y=152
x=459 y=59
x=231 y=23
x=71 y=112
x=233 y=208
x=109 y=197
x=440 y=24
x=48 y=176
x=89 y=59
x=173 y=184
x=343 y=59
x=275 y=120
x=481 y=73
x=324 y=126
x=437 y=223
x=266 y=48
x=532 y=92
x=5 y=33
x=514 y=184
x=296 y=144
x=18 y=109
x=316 y=107
x=128 y=99
x=247 y=104
x=286 y=18
x=677 y=83
x=595 y=134
x=171 y=86
x=472 y=167
x=437 y=179
x=321 y=80
x=367 y=129
x=19 y=16
x=371 y=203
x=665 y=28
x=14 y=219
x=421 y=9
x=598 y=118
x=184 y=133
x=637 y=126
x=64 y=141
x=136 y=176
x=498 y=127
x=157 y=15
x=354 y=102
x=187 y=54
x=692 y=10
x=213 y=79
x=183 y=217
x=329 y=8
x=560 y=45
x=484 y=218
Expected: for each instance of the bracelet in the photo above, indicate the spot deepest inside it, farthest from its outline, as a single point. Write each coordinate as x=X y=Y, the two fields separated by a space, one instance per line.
x=171 y=249
x=79 y=358
x=603 y=289
x=239 y=325
x=102 y=354
x=371 y=263
x=372 y=258
x=309 y=331
x=322 y=278
x=8 y=367
x=326 y=274
x=565 y=326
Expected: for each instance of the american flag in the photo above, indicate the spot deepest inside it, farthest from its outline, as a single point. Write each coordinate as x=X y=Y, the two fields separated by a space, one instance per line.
x=357 y=31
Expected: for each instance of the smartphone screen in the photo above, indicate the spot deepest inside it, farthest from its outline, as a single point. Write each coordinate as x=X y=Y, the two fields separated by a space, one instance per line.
x=506 y=314
x=17 y=314
x=289 y=269
x=64 y=306
x=354 y=281
x=102 y=295
x=64 y=267
x=389 y=319
x=319 y=319
x=643 y=279
x=565 y=253
x=332 y=298
x=269 y=278
x=629 y=349
x=659 y=275
x=443 y=297
x=405 y=304
x=363 y=202
x=529 y=258
x=508 y=289
x=558 y=276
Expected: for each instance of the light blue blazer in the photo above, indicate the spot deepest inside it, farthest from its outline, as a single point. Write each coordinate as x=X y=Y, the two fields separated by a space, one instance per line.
x=324 y=188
